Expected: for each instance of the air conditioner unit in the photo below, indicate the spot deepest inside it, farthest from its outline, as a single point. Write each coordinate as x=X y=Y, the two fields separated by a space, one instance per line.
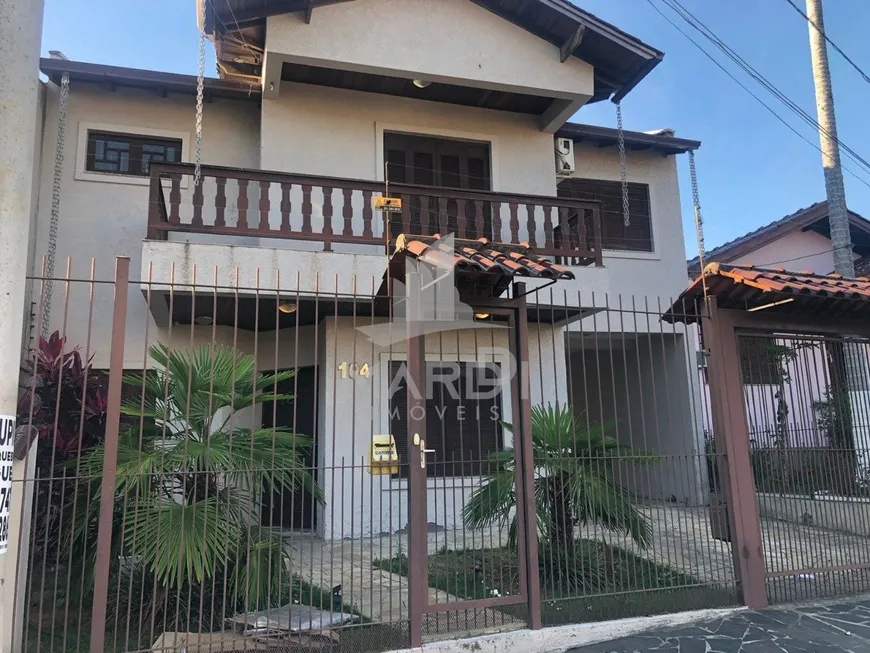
x=564 y=148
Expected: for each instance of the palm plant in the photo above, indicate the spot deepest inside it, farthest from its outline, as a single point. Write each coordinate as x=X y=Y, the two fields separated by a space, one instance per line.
x=189 y=477
x=574 y=481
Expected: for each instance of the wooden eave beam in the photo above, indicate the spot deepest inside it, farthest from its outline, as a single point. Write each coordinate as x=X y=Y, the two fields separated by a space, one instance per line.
x=570 y=46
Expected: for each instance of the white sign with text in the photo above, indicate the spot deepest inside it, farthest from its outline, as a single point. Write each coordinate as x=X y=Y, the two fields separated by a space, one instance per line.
x=7 y=446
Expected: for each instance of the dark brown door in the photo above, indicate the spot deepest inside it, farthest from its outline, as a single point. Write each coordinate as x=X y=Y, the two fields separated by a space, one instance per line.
x=442 y=163
x=288 y=507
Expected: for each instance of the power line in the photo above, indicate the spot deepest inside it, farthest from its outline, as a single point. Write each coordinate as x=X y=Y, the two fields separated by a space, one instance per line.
x=705 y=31
x=747 y=89
x=829 y=40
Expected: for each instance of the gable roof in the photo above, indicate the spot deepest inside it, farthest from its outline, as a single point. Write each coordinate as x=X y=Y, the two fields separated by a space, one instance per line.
x=620 y=61
x=810 y=218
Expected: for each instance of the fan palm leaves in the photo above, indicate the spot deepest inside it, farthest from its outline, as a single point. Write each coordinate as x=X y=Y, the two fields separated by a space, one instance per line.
x=574 y=481
x=190 y=473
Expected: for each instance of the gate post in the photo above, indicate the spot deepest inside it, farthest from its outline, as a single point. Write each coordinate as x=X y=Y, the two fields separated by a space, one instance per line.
x=731 y=429
x=528 y=529
x=110 y=457
x=418 y=565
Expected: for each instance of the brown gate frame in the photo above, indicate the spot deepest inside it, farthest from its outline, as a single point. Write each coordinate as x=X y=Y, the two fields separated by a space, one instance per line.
x=527 y=541
x=721 y=328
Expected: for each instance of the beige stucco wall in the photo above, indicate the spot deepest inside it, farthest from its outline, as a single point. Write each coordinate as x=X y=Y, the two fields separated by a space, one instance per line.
x=410 y=38
x=104 y=216
x=662 y=272
x=339 y=133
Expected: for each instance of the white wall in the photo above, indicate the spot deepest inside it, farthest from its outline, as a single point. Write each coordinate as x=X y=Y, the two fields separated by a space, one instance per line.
x=639 y=388
x=798 y=250
x=662 y=272
x=104 y=216
x=339 y=133
x=409 y=38
x=352 y=410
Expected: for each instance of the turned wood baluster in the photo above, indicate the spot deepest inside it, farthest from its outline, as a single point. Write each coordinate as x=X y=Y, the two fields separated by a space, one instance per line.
x=265 y=205
x=514 y=222
x=548 y=226
x=286 y=206
x=220 y=203
x=478 y=219
x=530 y=224
x=306 y=209
x=496 y=222
x=347 y=212
x=243 y=204
x=424 y=215
x=327 y=219
x=197 y=203
x=367 y=214
x=406 y=215
x=461 y=219
x=175 y=200
x=443 y=222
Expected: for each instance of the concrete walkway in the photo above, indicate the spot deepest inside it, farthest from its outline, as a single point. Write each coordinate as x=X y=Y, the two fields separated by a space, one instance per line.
x=843 y=627
x=681 y=540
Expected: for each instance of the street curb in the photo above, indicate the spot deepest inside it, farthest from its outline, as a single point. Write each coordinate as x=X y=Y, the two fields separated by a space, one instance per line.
x=561 y=638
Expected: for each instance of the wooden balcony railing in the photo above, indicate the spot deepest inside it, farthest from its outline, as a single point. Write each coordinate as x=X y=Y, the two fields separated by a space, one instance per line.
x=260 y=204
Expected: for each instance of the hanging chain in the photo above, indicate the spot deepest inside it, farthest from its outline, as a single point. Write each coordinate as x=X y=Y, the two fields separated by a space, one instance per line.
x=55 y=201
x=200 y=91
x=699 y=221
x=620 y=137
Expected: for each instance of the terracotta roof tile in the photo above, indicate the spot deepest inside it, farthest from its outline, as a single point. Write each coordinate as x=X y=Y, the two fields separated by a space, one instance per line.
x=743 y=286
x=488 y=258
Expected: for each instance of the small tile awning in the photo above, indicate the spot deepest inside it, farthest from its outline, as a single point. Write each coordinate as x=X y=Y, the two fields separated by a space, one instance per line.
x=485 y=257
x=481 y=268
x=745 y=287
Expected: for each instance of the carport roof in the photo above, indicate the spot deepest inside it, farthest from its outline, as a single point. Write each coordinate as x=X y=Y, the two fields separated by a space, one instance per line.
x=745 y=287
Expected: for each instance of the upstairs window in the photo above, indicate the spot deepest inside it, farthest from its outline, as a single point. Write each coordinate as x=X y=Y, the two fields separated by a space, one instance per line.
x=637 y=237
x=129 y=154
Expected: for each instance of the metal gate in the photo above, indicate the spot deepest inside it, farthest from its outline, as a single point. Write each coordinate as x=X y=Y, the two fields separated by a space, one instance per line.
x=807 y=399
x=469 y=564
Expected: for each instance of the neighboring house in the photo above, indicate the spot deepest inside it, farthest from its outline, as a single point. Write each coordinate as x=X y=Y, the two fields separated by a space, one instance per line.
x=798 y=242
x=459 y=95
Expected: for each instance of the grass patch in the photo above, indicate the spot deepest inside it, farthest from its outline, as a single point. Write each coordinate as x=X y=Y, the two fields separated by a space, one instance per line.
x=586 y=580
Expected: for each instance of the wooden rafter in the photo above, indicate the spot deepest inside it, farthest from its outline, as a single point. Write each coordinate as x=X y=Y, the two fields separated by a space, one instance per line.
x=570 y=46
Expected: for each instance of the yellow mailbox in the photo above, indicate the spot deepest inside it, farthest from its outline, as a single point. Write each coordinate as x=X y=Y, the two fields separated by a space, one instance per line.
x=383 y=457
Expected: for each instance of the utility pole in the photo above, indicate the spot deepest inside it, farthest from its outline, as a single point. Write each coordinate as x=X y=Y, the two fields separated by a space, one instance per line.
x=854 y=354
x=838 y=213
x=20 y=42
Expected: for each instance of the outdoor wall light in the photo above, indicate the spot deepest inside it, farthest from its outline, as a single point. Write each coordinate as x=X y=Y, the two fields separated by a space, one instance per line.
x=481 y=316
x=287 y=307
x=421 y=83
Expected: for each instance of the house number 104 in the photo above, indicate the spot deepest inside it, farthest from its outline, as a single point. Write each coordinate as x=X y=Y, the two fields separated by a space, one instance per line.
x=352 y=369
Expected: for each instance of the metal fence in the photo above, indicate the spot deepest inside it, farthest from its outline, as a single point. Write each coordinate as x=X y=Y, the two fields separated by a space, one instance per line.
x=245 y=436
x=808 y=407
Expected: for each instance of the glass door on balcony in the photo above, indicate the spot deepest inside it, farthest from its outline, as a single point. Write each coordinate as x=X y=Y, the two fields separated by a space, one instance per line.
x=439 y=164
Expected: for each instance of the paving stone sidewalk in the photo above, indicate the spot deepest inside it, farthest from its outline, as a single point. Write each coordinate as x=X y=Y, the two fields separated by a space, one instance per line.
x=841 y=627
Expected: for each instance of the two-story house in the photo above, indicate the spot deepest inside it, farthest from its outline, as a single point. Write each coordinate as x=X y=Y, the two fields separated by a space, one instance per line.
x=457 y=105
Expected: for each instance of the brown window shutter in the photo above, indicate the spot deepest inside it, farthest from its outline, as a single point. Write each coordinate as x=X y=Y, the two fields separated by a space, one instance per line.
x=637 y=236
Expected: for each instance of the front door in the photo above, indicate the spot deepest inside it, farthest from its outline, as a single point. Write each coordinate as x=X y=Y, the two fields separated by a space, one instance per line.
x=285 y=507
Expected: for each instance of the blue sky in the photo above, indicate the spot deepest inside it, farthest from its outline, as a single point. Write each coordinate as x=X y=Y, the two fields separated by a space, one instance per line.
x=752 y=169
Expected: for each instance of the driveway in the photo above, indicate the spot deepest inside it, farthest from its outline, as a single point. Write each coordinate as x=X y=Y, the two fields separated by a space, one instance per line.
x=841 y=627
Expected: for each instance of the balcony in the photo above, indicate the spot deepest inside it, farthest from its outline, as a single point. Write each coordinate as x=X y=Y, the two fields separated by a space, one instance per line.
x=235 y=206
